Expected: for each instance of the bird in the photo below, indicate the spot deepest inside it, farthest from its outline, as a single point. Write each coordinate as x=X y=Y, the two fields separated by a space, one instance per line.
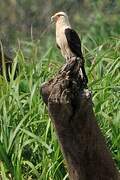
x=68 y=40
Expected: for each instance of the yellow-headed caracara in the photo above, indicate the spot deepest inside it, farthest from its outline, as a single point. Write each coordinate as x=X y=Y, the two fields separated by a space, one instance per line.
x=67 y=39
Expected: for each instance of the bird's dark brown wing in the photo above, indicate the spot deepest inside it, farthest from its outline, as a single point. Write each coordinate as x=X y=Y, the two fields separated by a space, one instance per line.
x=75 y=46
x=73 y=42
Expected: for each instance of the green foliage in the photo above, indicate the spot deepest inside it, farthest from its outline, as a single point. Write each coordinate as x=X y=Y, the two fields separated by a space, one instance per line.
x=28 y=144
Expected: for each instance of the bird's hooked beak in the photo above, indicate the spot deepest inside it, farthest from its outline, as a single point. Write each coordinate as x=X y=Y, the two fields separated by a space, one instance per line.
x=52 y=19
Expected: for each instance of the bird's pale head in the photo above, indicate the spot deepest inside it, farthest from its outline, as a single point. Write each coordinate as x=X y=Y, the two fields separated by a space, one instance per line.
x=60 y=17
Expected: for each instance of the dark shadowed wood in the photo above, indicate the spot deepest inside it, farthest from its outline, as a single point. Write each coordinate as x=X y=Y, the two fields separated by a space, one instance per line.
x=70 y=107
x=8 y=65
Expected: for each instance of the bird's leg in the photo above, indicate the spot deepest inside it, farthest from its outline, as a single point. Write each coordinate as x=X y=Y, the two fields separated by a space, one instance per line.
x=78 y=59
x=72 y=59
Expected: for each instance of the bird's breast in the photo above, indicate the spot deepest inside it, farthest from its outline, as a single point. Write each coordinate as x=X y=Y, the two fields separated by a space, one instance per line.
x=60 y=38
x=61 y=41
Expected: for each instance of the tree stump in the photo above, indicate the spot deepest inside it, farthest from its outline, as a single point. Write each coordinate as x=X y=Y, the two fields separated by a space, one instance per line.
x=70 y=106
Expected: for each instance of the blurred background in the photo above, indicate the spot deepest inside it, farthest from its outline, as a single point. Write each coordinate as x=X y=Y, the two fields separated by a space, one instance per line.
x=29 y=19
x=30 y=148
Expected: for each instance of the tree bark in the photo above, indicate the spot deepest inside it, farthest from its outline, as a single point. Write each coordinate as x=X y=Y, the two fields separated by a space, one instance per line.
x=6 y=63
x=70 y=106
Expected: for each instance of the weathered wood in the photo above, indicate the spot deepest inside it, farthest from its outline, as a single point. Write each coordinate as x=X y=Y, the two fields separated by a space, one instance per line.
x=6 y=61
x=71 y=109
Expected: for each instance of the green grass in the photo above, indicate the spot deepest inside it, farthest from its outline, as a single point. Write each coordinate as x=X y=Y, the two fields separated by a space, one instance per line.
x=28 y=143
x=29 y=147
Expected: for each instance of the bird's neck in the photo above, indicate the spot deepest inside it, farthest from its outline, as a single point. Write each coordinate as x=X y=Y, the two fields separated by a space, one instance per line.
x=61 y=23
